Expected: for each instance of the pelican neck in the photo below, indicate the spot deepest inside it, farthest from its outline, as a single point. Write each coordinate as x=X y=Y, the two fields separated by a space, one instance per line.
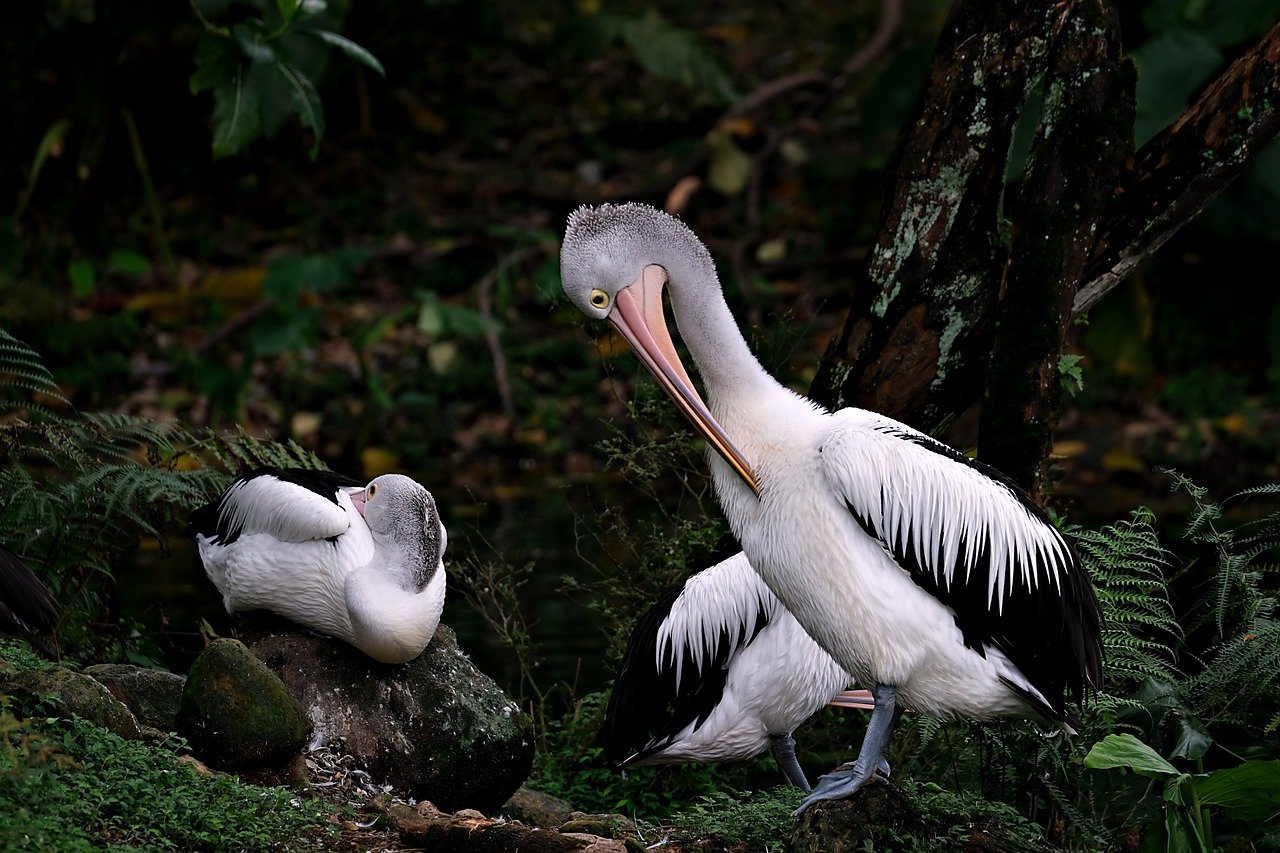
x=725 y=362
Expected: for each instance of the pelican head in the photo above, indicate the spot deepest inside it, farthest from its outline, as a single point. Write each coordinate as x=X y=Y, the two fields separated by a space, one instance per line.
x=400 y=511
x=614 y=263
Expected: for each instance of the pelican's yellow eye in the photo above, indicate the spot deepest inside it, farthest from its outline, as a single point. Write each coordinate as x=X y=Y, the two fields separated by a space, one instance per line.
x=370 y=492
x=599 y=298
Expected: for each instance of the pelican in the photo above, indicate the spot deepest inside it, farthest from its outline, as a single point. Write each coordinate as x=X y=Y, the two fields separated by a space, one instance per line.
x=718 y=670
x=26 y=605
x=363 y=563
x=925 y=574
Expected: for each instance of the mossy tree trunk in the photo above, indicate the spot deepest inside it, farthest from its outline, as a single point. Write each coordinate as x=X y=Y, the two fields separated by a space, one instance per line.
x=910 y=346
x=940 y=323
x=1083 y=139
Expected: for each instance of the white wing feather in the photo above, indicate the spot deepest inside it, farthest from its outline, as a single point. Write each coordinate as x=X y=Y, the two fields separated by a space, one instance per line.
x=287 y=511
x=941 y=510
x=727 y=598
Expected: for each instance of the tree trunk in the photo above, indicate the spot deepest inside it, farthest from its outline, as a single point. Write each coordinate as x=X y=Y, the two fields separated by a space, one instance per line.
x=922 y=328
x=1084 y=137
x=911 y=346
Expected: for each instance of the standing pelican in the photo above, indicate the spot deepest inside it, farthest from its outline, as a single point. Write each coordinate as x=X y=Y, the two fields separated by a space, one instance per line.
x=360 y=563
x=922 y=572
x=26 y=605
x=718 y=670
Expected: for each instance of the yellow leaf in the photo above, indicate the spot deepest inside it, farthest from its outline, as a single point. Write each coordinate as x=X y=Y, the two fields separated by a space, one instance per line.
x=378 y=460
x=1122 y=459
x=771 y=251
x=728 y=167
x=1069 y=447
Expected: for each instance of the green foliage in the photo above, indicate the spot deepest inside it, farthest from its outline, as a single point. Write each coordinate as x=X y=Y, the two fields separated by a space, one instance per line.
x=18 y=655
x=1070 y=373
x=1248 y=792
x=70 y=785
x=1240 y=678
x=82 y=488
x=261 y=68
x=21 y=369
x=1128 y=566
x=669 y=52
x=757 y=819
x=680 y=538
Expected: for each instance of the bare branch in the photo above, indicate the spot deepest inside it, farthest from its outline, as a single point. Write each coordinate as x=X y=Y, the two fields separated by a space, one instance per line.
x=1183 y=168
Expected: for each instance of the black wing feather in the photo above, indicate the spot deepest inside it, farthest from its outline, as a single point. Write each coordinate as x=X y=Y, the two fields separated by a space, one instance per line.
x=646 y=709
x=26 y=605
x=1051 y=632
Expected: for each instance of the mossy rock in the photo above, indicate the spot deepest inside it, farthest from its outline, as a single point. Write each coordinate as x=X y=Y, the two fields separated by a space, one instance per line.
x=537 y=808
x=235 y=711
x=77 y=694
x=154 y=696
x=435 y=728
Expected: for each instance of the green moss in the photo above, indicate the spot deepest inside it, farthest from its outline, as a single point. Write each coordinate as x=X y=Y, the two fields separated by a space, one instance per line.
x=68 y=785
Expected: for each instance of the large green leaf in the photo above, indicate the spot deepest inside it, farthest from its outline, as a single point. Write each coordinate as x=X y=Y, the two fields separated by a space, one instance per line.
x=1125 y=750
x=351 y=49
x=671 y=53
x=306 y=104
x=237 y=115
x=1172 y=67
x=1249 y=792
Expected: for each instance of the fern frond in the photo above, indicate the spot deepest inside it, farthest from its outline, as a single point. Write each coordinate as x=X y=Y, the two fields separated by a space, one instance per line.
x=22 y=367
x=1140 y=626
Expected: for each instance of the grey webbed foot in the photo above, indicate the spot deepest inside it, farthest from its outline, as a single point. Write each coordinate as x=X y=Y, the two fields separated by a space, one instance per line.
x=849 y=779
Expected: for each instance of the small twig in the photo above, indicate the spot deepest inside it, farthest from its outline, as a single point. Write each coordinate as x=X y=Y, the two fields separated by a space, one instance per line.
x=153 y=200
x=484 y=296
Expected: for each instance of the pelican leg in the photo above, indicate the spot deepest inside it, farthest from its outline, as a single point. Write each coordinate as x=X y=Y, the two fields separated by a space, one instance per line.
x=848 y=780
x=784 y=752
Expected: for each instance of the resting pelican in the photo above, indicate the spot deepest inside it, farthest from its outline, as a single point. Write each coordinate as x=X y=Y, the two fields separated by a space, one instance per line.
x=718 y=670
x=360 y=563
x=26 y=605
x=922 y=572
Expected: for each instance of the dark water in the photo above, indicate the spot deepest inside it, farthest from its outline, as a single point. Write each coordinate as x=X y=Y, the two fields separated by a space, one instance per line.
x=548 y=523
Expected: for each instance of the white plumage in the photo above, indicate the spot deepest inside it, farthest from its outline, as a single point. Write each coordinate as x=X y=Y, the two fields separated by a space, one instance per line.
x=718 y=670
x=920 y=571
x=360 y=563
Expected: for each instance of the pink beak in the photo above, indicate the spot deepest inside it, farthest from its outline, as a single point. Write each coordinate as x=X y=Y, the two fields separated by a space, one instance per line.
x=357 y=500
x=639 y=318
x=861 y=700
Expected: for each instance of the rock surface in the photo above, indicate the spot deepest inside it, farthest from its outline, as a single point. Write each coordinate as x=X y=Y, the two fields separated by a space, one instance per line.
x=424 y=828
x=237 y=713
x=152 y=695
x=872 y=819
x=435 y=728
x=79 y=694
x=537 y=808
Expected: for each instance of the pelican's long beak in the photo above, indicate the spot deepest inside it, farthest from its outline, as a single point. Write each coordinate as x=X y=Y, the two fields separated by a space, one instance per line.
x=638 y=316
x=861 y=700
x=357 y=500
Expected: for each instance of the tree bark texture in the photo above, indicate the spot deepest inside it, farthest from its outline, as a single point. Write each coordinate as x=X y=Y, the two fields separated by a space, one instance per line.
x=909 y=346
x=1185 y=166
x=921 y=330
x=1083 y=139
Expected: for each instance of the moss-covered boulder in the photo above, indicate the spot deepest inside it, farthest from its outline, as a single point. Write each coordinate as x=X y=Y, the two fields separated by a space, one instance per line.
x=537 y=808
x=236 y=713
x=153 y=695
x=77 y=694
x=435 y=728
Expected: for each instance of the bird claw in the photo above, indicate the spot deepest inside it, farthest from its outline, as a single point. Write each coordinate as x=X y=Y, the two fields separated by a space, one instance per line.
x=841 y=783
